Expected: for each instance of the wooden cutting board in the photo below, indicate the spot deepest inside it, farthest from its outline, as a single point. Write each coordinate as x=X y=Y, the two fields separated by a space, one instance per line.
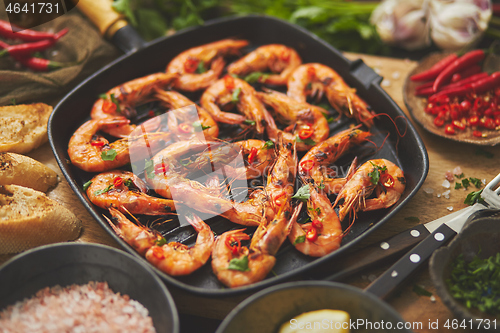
x=443 y=155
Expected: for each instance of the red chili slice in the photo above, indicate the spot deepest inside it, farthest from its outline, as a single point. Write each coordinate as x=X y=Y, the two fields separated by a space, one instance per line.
x=118 y=181
x=108 y=107
x=97 y=143
x=186 y=128
x=438 y=121
x=306 y=133
x=474 y=121
x=229 y=82
x=234 y=245
x=311 y=72
x=312 y=234
x=190 y=65
x=285 y=55
x=161 y=168
x=317 y=224
x=387 y=180
x=252 y=155
x=459 y=125
x=449 y=129
x=280 y=199
x=477 y=134
x=306 y=165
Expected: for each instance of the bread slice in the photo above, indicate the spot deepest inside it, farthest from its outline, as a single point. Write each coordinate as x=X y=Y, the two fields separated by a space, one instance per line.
x=23 y=127
x=24 y=171
x=28 y=218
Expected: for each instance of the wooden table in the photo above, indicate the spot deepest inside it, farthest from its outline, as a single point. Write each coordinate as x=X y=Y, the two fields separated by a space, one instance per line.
x=443 y=155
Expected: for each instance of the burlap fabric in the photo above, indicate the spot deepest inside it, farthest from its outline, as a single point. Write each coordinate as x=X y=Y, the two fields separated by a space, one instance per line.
x=82 y=45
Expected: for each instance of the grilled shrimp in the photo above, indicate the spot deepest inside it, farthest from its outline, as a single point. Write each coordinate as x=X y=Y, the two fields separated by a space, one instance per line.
x=121 y=100
x=315 y=79
x=381 y=175
x=178 y=259
x=136 y=235
x=315 y=166
x=126 y=192
x=187 y=122
x=193 y=64
x=307 y=123
x=93 y=153
x=323 y=234
x=279 y=59
x=229 y=92
x=236 y=265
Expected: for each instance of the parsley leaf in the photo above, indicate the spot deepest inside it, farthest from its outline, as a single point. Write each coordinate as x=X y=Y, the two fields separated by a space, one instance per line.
x=239 y=264
x=160 y=242
x=458 y=185
x=474 y=197
x=201 y=68
x=303 y=193
x=108 y=155
x=198 y=126
x=476 y=182
x=103 y=96
x=300 y=239
x=249 y=122
x=235 y=97
x=86 y=185
x=99 y=192
x=375 y=174
x=255 y=77
x=115 y=101
x=465 y=183
x=149 y=169
x=329 y=119
x=268 y=145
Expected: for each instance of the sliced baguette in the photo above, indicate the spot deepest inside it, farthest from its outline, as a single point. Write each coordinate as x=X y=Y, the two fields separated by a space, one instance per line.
x=23 y=127
x=24 y=171
x=28 y=218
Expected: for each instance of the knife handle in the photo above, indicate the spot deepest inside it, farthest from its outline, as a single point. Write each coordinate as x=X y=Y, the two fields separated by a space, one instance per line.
x=404 y=267
x=374 y=254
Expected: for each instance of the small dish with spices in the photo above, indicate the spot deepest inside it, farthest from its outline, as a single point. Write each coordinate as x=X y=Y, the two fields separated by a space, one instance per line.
x=466 y=271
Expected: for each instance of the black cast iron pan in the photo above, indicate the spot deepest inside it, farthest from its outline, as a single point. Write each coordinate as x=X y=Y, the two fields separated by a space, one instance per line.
x=407 y=151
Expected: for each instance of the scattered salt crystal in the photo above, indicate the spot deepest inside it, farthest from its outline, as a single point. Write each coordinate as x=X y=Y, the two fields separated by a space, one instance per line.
x=438 y=195
x=483 y=181
x=432 y=298
x=446 y=194
x=448 y=175
x=446 y=183
x=396 y=75
x=372 y=277
x=386 y=83
x=54 y=53
x=450 y=208
x=457 y=171
x=428 y=190
x=377 y=70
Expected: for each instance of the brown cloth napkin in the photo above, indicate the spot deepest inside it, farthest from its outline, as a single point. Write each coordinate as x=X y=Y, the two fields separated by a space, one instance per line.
x=82 y=45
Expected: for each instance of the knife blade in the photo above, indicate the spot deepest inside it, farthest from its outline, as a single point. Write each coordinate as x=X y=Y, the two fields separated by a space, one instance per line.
x=393 y=246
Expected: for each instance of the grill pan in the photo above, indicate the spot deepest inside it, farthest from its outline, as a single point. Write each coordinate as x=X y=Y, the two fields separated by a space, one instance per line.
x=407 y=151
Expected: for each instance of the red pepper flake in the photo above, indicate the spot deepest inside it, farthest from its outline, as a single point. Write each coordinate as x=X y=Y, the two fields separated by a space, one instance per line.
x=477 y=134
x=306 y=165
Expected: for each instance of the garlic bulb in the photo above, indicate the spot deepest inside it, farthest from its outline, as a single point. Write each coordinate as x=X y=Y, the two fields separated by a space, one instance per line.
x=457 y=24
x=402 y=23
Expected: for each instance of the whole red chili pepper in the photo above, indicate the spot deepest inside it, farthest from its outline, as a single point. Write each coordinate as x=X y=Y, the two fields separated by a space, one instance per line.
x=434 y=71
x=41 y=64
x=468 y=59
x=20 y=50
x=486 y=84
x=460 y=88
x=12 y=31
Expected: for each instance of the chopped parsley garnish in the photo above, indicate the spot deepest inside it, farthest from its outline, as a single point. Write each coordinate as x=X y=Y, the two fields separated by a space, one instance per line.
x=256 y=77
x=474 y=197
x=477 y=182
x=115 y=101
x=329 y=119
x=458 y=185
x=86 y=185
x=300 y=239
x=477 y=283
x=128 y=182
x=108 y=155
x=239 y=264
x=268 y=145
x=460 y=176
x=375 y=174
x=160 y=242
x=303 y=193
x=99 y=192
x=103 y=96
x=149 y=169
x=235 y=97
x=249 y=122
x=198 y=126
x=201 y=68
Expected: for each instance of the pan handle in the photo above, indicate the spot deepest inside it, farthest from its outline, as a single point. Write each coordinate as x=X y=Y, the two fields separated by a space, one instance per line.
x=111 y=24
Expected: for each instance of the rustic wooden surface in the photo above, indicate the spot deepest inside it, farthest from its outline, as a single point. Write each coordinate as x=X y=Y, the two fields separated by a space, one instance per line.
x=443 y=155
